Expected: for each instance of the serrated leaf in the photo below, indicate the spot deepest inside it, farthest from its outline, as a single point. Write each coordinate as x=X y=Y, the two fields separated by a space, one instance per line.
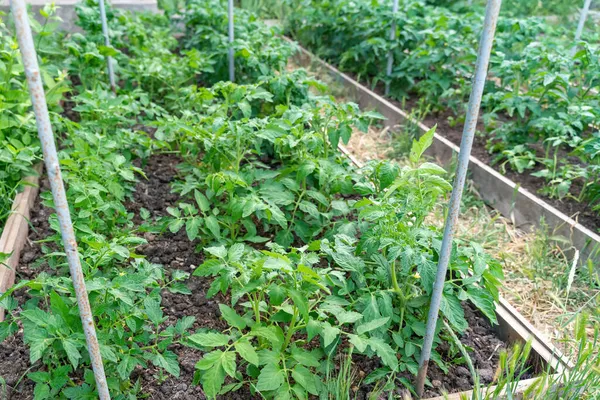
x=209 y=339
x=359 y=342
x=202 y=201
x=235 y=252
x=213 y=226
x=232 y=318
x=329 y=333
x=219 y=251
x=72 y=353
x=168 y=362
x=305 y=378
x=372 y=325
x=212 y=380
x=483 y=301
x=451 y=309
x=228 y=362
x=384 y=351
x=305 y=357
x=192 y=227
x=271 y=378
x=300 y=302
x=419 y=146
x=247 y=352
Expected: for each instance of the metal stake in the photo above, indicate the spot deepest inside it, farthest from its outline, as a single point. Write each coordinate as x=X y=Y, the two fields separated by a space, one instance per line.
x=390 y=60
x=230 y=23
x=38 y=100
x=581 y=25
x=483 y=58
x=109 y=59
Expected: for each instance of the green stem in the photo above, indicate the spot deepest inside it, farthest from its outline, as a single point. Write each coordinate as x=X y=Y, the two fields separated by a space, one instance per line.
x=291 y=330
x=395 y=285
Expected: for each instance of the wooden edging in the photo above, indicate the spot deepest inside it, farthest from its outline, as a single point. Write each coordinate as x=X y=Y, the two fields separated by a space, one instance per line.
x=15 y=232
x=506 y=196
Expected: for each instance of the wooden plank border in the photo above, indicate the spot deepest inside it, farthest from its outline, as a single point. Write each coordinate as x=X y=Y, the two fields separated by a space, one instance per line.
x=15 y=232
x=509 y=198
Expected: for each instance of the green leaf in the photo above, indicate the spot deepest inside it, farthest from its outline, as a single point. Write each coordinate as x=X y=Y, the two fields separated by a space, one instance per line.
x=419 y=147
x=272 y=333
x=247 y=352
x=209 y=339
x=300 y=302
x=313 y=328
x=212 y=381
x=41 y=392
x=329 y=333
x=202 y=201
x=306 y=358
x=271 y=378
x=192 y=227
x=451 y=308
x=305 y=378
x=359 y=342
x=213 y=226
x=232 y=318
x=152 y=308
x=168 y=362
x=427 y=270
x=219 y=251
x=176 y=225
x=235 y=252
x=384 y=351
x=228 y=362
x=72 y=353
x=107 y=51
x=484 y=301
x=372 y=325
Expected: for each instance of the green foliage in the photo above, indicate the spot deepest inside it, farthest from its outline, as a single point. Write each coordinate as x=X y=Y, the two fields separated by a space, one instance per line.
x=308 y=250
x=538 y=91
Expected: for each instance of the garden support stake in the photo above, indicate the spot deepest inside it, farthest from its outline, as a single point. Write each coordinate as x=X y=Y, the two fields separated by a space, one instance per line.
x=109 y=59
x=483 y=58
x=390 y=60
x=231 y=37
x=38 y=100
x=581 y=25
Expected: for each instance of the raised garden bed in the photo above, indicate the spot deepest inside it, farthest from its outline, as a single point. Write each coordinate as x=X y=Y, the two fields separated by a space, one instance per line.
x=176 y=252
x=14 y=233
x=509 y=198
x=262 y=209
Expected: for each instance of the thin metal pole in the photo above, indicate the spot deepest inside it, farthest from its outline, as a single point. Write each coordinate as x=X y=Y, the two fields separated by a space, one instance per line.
x=390 y=60
x=109 y=59
x=581 y=25
x=483 y=58
x=230 y=27
x=38 y=100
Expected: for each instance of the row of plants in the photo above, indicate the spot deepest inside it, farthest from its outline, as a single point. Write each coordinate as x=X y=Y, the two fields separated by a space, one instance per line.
x=540 y=106
x=316 y=256
x=19 y=146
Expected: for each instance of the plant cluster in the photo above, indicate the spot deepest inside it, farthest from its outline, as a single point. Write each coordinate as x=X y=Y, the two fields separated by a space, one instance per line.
x=540 y=107
x=317 y=257
x=19 y=146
